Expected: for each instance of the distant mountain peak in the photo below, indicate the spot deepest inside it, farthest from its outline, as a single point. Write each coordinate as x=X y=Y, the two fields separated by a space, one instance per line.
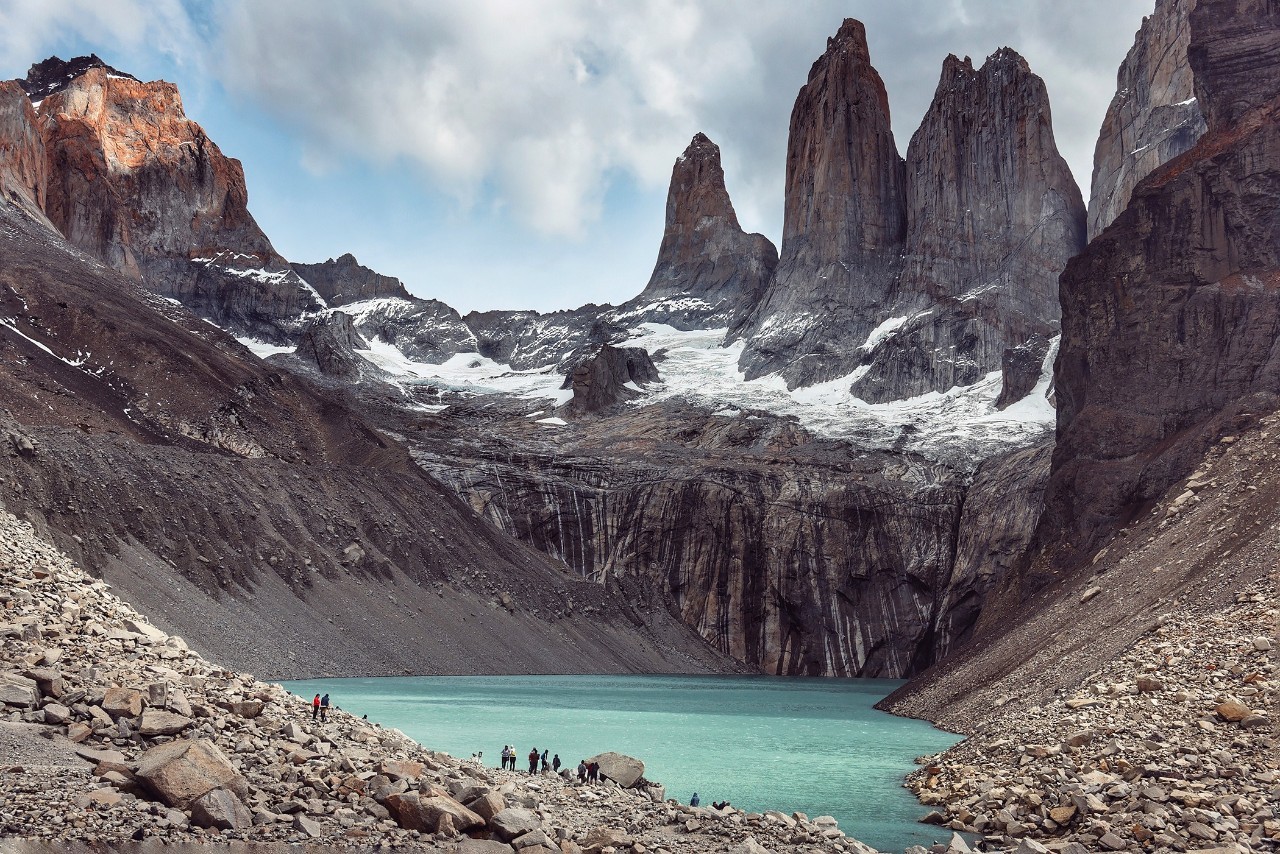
x=52 y=75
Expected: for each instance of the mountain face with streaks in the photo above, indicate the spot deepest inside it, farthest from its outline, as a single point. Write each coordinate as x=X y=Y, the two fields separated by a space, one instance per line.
x=905 y=277
x=1154 y=115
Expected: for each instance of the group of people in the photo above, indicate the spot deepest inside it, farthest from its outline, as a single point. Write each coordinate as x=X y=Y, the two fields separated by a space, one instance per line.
x=537 y=761
x=320 y=708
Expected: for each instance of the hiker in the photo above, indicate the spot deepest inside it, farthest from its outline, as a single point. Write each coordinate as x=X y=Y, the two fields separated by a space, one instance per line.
x=315 y=707
x=545 y=764
x=555 y=764
x=324 y=708
x=582 y=771
x=503 y=757
x=533 y=761
x=593 y=772
x=693 y=802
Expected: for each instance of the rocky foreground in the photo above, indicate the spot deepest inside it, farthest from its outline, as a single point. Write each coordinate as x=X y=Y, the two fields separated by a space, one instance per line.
x=113 y=731
x=1171 y=746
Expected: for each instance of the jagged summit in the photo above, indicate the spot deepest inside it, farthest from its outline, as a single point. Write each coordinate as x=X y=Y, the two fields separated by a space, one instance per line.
x=53 y=74
x=708 y=268
x=345 y=280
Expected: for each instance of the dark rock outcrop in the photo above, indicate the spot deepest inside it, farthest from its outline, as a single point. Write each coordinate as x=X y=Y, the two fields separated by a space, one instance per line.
x=1154 y=115
x=330 y=342
x=343 y=280
x=1020 y=370
x=708 y=270
x=915 y=277
x=55 y=74
x=1171 y=315
x=425 y=330
x=604 y=380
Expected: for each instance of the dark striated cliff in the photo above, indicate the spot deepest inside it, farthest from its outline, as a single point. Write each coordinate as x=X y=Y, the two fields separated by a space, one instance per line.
x=1154 y=115
x=916 y=276
x=793 y=554
x=1171 y=315
x=709 y=270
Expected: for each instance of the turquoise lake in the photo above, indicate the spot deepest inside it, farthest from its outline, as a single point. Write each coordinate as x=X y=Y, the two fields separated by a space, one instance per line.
x=813 y=745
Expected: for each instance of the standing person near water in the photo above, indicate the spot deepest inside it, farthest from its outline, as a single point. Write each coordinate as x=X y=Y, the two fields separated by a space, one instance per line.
x=582 y=770
x=545 y=765
x=324 y=708
x=533 y=761
x=555 y=764
x=315 y=707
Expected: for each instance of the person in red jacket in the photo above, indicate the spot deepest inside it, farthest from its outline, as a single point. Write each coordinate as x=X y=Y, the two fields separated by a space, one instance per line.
x=315 y=707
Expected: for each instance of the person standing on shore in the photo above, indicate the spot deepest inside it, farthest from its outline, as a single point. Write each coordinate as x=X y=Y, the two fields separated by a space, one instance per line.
x=533 y=761
x=315 y=707
x=546 y=766
x=582 y=770
x=324 y=708
x=555 y=764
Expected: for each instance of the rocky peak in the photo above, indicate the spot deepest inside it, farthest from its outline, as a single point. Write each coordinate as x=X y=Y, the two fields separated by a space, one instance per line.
x=1235 y=54
x=844 y=175
x=915 y=276
x=1154 y=115
x=54 y=74
x=708 y=268
x=344 y=280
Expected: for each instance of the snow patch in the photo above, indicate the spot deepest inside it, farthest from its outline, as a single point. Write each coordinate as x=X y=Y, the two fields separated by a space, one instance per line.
x=554 y=422
x=881 y=332
x=262 y=349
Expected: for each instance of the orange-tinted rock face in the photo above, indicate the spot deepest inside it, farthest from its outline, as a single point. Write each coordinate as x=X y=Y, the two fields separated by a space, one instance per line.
x=129 y=179
x=136 y=182
x=23 y=171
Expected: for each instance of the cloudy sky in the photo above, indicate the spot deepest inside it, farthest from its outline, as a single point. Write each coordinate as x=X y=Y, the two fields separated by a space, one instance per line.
x=515 y=154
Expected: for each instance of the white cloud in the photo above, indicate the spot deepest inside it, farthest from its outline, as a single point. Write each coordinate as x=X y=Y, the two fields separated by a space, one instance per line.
x=28 y=27
x=535 y=107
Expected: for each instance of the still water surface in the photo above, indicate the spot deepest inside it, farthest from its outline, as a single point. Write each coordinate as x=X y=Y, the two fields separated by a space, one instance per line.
x=813 y=745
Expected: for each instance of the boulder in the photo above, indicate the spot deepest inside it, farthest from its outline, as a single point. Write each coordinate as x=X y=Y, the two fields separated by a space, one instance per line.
x=749 y=846
x=513 y=822
x=532 y=839
x=181 y=771
x=48 y=680
x=122 y=702
x=245 y=708
x=414 y=812
x=483 y=846
x=487 y=806
x=220 y=809
x=56 y=713
x=624 y=770
x=160 y=722
x=17 y=690
x=399 y=769
x=1233 y=710
x=306 y=826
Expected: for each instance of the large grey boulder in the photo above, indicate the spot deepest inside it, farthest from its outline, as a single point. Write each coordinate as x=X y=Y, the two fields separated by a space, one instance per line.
x=513 y=822
x=160 y=722
x=624 y=770
x=221 y=809
x=181 y=771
